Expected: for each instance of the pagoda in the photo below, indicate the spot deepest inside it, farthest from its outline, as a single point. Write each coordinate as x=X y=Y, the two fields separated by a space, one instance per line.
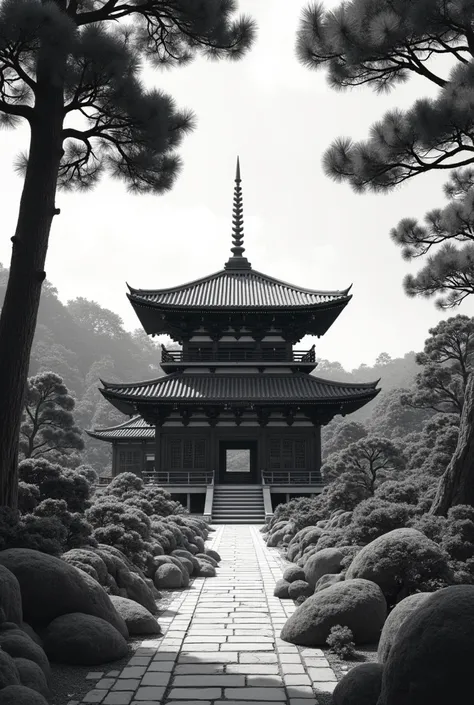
x=238 y=406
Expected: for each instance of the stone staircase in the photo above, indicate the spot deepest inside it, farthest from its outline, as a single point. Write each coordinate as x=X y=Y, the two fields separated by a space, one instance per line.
x=238 y=504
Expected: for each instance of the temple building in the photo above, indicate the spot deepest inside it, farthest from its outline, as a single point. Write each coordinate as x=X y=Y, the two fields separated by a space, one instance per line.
x=234 y=425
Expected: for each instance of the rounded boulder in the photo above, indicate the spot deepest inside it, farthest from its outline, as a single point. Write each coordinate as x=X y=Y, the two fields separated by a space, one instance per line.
x=281 y=589
x=392 y=559
x=327 y=580
x=395 y=620
x=21 y=695
x=8 y=671
x=298 y=589
x=206 y=570
x=323 y=562
x=50 y=588
x=292 y=573
x=168 y=577
x=10 y=596
x=19 y=645
x=32 y=676
x=137 y=589
x=205 y=557
x=357 y=604
x=213 y=554
x=138 y=619
x=83 y=640
x=360 y=686
x=431 y=657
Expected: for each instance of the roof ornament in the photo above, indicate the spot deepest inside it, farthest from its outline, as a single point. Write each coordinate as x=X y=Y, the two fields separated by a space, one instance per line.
x=237 y=260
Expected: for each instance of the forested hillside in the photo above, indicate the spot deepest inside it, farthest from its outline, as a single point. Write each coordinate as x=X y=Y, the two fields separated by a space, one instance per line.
x=84 y=343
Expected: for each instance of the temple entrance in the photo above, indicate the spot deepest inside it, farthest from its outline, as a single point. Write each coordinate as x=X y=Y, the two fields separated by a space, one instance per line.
x=237 y=462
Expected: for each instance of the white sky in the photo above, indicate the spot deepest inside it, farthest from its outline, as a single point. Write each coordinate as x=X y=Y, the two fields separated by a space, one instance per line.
x=299 y=225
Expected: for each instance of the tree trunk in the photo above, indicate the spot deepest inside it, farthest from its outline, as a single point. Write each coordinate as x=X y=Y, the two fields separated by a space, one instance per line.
x=456 y=486
x=30 y=244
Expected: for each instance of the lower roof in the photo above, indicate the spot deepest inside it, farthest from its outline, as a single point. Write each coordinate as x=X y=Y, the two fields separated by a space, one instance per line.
x=134 y=429
x=203 y=389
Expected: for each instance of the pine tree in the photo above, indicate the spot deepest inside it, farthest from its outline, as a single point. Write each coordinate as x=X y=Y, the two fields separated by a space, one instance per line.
x=71 y=70
x=381 y=44
x=48 y=428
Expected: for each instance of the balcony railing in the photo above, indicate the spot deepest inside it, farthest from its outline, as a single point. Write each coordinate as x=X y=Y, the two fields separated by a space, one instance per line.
x=292 y=477
x=236 y=355
x=178 y=477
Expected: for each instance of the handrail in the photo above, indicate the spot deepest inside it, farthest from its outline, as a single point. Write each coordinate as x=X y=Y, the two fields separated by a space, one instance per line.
x=292 y=477
x=178 y=477
x=236 y=355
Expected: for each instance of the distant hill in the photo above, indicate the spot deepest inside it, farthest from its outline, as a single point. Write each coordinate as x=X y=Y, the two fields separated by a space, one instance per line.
x=83 y=342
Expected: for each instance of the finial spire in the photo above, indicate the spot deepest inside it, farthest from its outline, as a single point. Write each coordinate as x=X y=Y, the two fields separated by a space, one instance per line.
x=237 y=260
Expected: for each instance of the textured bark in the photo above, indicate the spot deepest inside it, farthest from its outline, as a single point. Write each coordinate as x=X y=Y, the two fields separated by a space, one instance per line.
x=456 y=486
x=30 y=244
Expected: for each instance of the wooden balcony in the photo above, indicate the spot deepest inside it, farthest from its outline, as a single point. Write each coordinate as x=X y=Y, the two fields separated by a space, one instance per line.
x=292 y=477
x=238 y=355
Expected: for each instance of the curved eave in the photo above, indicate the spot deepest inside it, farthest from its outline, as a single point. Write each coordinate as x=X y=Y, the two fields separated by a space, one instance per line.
x=131 y=404
x=341 y=301
x=223 y=272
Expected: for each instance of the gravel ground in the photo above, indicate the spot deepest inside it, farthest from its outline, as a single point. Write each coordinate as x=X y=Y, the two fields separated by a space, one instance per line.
x=69 y=682
x=362 y=655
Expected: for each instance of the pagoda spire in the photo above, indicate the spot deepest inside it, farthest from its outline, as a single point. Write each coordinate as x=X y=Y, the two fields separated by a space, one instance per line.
x=237 y=260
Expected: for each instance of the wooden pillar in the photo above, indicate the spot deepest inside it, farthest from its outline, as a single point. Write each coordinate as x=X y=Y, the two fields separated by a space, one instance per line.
x=114 y=459
x=143 y=458
x=158 y=447
x=317 y=448
x=262 y=455
x=213 y=453
x=188 y=502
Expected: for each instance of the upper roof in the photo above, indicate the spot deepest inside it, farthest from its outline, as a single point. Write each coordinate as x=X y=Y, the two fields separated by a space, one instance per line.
x=298 y=387
x=233 y=289
x=237 y=286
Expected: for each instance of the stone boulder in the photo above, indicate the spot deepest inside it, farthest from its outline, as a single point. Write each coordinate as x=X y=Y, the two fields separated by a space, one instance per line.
x=10 y=596
x=83 y=640
x=292 y=573
x=182 y=553
x=209 y=559
x=391 y=561
x=19 y=645
x=213 y=554
x=137 y=589
x=326 y=561
x=395 y=620
x=298 y=589
x=81 y=557
x=21 y=695
x=326 y=581
x=360 y=686
x=432 y=655
x=168 y=577
x=31 y=633
x=32 y=676
x=50 y=588
x=281 y=589
x=138 y=619
x=8 y=671
x=357 y=604
x=206 y=570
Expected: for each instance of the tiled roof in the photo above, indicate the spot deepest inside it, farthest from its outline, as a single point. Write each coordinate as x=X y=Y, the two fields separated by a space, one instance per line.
x=296 y=387
x=237 y=289
x=136 y=428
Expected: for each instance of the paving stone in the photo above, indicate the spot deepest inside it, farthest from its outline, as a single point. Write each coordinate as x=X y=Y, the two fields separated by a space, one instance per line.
x=195 y=693
x=118 y=699
x=156 y=678
x=105 y=683
x=152 y=693
x=317 y=662
x=247 y=647
x=203 y=668
x=132 y=672
x=126 y=684
x=94 y=696
x=209 y=657
x=258 y=658
x=166 y=666
x=325 y=687
x=297 y=679
x=321 y=674
x=264 y=680
x=260 y=669
x=94 y=675
x=300 y=691
x=196 y=681
x=287 y=668
x=257 y=694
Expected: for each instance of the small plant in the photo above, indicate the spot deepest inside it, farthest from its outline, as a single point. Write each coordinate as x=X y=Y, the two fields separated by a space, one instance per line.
x=341 y=642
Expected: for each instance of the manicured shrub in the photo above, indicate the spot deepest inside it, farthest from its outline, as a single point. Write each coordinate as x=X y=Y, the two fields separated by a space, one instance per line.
x=341 y=642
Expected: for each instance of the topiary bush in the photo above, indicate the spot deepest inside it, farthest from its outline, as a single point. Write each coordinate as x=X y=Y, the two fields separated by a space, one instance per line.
x=341 y=642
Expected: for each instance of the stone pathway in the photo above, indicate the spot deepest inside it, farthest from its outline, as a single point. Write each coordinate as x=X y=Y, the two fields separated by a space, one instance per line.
x=221 y=641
